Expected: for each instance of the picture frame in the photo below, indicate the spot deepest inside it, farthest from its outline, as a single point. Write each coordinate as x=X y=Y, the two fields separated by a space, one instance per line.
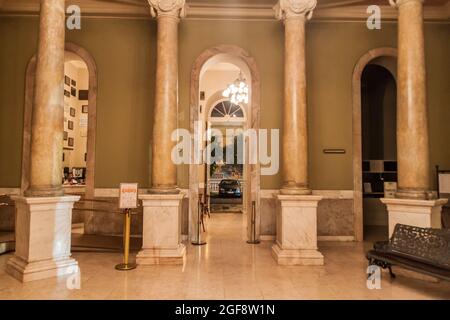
x=73 y=83
x=73 y=91
x=71 y=142
x=65 y=135
x=83 y=94
x=84 y=109
x=202 y=95
x=67 y=93
x=67 y=80
x=72 y=112
x=70 y=125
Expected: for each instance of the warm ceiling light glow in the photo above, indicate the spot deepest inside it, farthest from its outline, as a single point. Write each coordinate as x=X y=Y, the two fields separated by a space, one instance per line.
x=237 y=92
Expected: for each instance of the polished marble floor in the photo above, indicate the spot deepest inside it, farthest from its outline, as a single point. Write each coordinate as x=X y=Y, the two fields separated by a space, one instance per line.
x=226 y=268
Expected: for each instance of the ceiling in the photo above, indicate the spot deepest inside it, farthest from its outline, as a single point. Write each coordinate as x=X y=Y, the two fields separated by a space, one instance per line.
x=231 y=9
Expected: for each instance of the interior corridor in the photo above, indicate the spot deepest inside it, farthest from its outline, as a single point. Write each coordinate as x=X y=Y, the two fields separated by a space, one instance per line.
x=226 y=268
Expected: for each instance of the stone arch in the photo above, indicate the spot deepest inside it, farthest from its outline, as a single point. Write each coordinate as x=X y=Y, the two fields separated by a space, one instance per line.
x=92 y=117
x=240 y=56
x=366 y=59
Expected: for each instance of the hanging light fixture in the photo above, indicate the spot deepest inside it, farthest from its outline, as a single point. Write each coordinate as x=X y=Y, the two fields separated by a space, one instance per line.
x=237 y=92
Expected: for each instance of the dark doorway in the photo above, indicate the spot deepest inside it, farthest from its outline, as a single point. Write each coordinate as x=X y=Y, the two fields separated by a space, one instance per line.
x=379 y=150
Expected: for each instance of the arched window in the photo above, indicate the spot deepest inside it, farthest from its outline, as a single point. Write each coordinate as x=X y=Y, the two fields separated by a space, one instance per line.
x=227 y=109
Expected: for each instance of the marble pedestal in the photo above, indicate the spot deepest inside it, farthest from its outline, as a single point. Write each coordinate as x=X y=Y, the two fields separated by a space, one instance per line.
x=161 y=238
x=43 y=238
x=296 y=242
x=420 y=213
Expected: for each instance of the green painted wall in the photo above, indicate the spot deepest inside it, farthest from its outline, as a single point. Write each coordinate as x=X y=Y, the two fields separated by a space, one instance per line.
x=124 y=51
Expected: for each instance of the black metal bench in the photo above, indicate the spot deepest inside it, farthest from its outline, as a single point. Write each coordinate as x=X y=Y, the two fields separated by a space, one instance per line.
x=424 y=250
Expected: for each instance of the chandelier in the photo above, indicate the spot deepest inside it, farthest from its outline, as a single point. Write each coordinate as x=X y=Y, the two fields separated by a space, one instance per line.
x=237 y=92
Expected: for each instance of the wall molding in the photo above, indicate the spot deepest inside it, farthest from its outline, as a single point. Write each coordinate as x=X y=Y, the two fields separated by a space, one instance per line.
x=336 y=238
x=269 y=237
x=342 y=10
x=326 y=194
x=10 y=191
x=114 y=192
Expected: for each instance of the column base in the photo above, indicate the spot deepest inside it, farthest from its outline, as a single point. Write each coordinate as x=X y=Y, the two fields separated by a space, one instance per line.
x=295 y=191
x=296 y=242
x=161 y=234
x=164 y=190
x=30 y=271
x=413 y=212
x=46 y=191
x=175 y=256
x=411 y=194
x=43 y=237
x=297 y=257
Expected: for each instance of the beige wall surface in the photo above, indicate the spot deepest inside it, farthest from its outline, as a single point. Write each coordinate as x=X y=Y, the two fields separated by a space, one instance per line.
x=124 y=50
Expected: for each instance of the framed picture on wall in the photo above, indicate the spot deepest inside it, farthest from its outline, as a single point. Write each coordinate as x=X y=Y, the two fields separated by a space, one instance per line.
x=66 y=93
x=70 y=125
x=73 y=82
x=66 y=135
x=83 y=94
x=73 y=91
x=202 y=95
x=72 y=112
x=84 y=109
x=70 y=143
x=67 y=80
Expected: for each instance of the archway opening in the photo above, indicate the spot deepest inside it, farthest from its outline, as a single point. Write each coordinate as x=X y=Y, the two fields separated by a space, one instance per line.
x=213 y=72
x=379 y=154
x=224 y=177
x=80 y=106
x=76 y=110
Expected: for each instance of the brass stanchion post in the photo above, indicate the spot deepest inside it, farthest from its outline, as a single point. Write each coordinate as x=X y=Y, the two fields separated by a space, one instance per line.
x=254 y=240
x=126 y=243
x=199 y=241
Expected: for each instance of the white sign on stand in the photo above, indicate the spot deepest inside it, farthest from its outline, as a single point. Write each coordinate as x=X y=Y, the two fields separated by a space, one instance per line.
x=128 y=195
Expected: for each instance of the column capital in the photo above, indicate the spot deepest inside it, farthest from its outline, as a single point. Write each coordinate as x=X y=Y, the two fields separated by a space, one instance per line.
x=286 y=9
x=398 y=3
x=171 y=8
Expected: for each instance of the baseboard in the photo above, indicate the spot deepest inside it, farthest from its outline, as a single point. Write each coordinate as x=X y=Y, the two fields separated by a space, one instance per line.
x=267 y=237
x=336 y=238
x=10 y=191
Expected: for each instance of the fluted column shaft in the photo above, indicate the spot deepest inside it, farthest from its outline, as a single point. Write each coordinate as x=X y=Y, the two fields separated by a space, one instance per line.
x=164 y=171
x=295 y=121
x=48 y=109
x=412 y=118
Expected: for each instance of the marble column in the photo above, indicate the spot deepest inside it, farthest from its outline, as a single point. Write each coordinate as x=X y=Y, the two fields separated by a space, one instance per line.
x=44 y=215
x=294 y=13
x=161 y=234
x=412 y=204
x=48 y=105
x=412 y=126
x=164 y=171
x=296 y=241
